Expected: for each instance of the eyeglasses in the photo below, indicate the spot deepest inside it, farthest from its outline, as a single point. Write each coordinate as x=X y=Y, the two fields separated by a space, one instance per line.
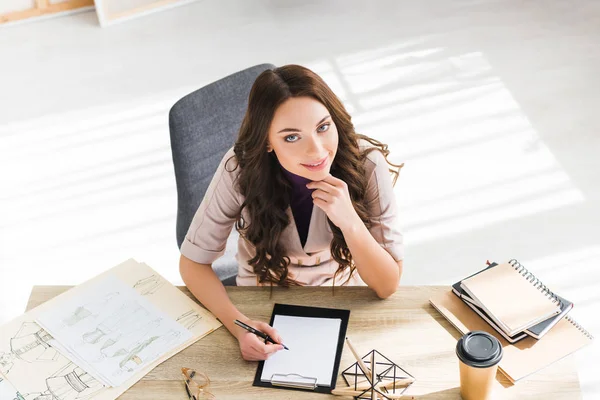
x=196 y=385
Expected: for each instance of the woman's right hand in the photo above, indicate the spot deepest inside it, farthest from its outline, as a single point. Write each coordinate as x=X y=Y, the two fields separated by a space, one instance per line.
x=254 y=348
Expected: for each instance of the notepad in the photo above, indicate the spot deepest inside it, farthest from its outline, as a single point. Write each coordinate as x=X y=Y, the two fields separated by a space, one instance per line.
x=458 y=291
x=313 y=345
x=537 y=331
x=510 y=298
x=475 y=307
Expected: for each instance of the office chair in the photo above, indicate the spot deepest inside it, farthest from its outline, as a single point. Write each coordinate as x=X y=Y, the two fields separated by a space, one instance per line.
x=203 y=125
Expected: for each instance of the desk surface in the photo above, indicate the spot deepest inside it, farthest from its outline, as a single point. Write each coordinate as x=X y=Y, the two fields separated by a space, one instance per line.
x=405 y=328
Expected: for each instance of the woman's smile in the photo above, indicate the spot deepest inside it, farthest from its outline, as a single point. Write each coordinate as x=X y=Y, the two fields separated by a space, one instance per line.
x=317 y=166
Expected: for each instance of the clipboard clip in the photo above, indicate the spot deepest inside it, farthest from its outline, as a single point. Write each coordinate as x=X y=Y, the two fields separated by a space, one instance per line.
x=294 y=380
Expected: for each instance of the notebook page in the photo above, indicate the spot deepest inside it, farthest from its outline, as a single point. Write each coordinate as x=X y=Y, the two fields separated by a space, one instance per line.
x=510 y=298
x=313 y=345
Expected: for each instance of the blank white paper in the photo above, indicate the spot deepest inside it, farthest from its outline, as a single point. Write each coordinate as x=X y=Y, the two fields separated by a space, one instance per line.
x=312 y=343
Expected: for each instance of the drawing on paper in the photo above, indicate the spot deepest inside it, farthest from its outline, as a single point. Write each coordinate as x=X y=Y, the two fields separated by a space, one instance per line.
x=68 y=383
x=88 y=309
x=129 y=337
x=144 y=350
x=31 y=344
x=27 y=345
x=149 y=285
x=126 y=319
x=127 y=324
x=8 y=392
x=125 y=336
x=32 y=396
x=189 y=319
x=6 y=363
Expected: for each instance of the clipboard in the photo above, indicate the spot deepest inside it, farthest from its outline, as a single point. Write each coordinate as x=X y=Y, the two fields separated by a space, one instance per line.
x=302 y=381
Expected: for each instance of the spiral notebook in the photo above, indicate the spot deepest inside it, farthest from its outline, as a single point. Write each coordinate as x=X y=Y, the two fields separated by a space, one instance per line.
x=528 y=355
x=512 y=297
x=537 y=331
x=460 y=293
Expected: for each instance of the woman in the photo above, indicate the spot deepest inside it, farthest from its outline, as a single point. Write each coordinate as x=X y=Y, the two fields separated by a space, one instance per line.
x=311 y=198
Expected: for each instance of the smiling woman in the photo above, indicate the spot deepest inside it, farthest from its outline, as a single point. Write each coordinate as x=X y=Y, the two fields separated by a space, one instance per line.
x=309 y=148
x=311 y=198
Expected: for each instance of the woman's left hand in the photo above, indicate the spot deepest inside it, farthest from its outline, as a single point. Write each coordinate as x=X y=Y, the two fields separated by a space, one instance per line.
x=331 y=195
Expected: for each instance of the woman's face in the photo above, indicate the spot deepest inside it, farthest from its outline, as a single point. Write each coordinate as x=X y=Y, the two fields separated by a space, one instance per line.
x=304 y=137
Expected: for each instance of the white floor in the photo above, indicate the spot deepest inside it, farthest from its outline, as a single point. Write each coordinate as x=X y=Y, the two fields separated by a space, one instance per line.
x=492 y=104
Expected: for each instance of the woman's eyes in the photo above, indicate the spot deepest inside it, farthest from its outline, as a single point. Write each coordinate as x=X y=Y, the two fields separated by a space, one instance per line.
x=294 y=138
x=323 y=126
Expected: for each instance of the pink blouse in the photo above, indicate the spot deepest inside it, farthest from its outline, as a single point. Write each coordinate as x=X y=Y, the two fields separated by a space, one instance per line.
x=309 y=265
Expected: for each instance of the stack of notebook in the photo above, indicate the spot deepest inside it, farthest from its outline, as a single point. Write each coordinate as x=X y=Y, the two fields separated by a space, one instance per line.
x=512 y=301
x=529 y=320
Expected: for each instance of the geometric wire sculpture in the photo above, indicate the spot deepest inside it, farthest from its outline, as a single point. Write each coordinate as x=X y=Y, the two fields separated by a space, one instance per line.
x=390 y=380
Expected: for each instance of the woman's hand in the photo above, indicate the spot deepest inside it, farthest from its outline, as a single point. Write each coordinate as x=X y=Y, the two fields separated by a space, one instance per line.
x=331 y=195
x=252 y=347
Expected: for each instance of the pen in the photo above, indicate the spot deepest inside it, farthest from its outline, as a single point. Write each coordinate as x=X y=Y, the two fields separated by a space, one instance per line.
x=258 y=333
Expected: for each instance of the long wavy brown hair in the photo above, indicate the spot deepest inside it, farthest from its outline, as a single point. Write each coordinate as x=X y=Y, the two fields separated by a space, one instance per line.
x=267 y=191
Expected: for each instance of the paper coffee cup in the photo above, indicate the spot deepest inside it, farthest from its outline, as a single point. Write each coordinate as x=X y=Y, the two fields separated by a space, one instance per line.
x=479 y=354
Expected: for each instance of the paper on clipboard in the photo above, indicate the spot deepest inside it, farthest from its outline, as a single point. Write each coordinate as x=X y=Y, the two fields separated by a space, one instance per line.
x=313 y=345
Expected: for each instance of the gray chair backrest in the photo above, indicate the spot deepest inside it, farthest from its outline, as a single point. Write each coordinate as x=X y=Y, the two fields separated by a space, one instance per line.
x=203 y=125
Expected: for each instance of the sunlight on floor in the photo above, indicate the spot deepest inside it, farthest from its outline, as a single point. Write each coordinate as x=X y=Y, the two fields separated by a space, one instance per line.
x=86 y=190
x=92 y=188
x=564 y=273
x=472 y=157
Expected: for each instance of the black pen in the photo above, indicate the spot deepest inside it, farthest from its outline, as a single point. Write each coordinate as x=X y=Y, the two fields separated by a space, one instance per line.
x=258 y=333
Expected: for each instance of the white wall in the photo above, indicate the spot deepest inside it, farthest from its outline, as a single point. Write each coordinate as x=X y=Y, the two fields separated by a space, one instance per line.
x=7 y=6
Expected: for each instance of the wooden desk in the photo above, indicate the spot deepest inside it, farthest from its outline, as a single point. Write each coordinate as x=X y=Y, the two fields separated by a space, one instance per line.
x=405 y=328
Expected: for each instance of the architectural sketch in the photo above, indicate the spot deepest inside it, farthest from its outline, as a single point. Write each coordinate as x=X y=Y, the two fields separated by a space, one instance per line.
x=149 y=285
x=189 y=319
